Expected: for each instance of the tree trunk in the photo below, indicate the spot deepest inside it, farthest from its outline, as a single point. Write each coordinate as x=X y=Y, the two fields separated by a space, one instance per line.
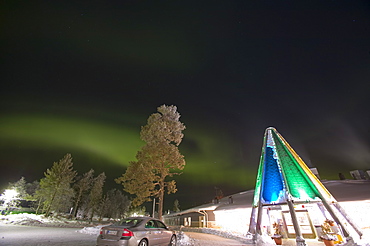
x=160 y=200
x=51 y=203
x=38 y=206
x=77 y=203
x=101 y=212
x=92 y=214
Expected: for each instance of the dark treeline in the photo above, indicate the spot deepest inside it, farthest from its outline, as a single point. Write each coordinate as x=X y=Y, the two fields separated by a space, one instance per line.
x=63 y=191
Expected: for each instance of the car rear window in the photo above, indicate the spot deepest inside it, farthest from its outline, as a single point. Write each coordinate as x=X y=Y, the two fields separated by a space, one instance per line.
x=129 y=222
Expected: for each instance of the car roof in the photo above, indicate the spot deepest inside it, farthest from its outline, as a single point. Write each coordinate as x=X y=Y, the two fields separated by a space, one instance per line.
x=144 y=218
x=140 y=217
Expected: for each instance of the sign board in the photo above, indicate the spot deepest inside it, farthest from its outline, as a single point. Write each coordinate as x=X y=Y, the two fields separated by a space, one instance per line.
x=304 y=222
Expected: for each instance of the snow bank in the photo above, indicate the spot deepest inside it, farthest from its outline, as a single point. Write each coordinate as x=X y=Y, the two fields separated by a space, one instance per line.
x=91 y=230
x=24 y=219
x=40 y=220
x=217 y=232
x=184 y=240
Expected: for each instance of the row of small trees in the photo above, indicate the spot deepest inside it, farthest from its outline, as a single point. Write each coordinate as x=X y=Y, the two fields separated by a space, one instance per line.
x=63 y=191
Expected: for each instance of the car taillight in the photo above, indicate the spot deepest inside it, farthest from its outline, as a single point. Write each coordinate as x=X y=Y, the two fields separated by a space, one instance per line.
x=101 y=232
x=127 y=233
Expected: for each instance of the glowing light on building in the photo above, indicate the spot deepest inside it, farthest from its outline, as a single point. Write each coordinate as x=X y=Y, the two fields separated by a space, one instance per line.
x=233 y=220
x=8 y=196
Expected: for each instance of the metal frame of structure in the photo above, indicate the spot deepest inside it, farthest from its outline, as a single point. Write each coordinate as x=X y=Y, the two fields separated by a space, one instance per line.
x=284 y=179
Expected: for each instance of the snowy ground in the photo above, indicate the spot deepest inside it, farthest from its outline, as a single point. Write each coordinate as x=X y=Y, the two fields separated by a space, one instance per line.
x=94 y=229
x=88 y=228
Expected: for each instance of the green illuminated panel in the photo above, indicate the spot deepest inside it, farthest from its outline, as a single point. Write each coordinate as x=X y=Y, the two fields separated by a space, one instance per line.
x=257 y=190
x=299 y=185
x=282 y=172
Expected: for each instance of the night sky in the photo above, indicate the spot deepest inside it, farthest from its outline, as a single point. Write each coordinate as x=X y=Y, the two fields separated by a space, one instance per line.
x=82 y=77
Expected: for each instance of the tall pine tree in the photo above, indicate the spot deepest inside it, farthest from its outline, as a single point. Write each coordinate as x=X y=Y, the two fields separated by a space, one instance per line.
x=157 y=160
x=55 y=191
x=96 y=194
x=82 y=186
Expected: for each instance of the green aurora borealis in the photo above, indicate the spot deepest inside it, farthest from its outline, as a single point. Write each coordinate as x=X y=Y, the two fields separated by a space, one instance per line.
x=82 y=77
x=115 y=145
x=110 y=145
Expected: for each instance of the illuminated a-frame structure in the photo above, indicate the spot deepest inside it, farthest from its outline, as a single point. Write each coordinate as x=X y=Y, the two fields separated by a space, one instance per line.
x=283 y=178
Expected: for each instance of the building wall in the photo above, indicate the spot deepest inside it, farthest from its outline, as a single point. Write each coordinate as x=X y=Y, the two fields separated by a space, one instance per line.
x=191 y=219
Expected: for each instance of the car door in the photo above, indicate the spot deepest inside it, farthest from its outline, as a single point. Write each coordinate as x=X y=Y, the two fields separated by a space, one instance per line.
x=164 y=235
x=153 y=233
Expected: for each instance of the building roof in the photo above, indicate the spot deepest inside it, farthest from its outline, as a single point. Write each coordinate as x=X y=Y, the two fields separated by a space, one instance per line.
x=282 y=176
x=349 y=190
x=342 y=190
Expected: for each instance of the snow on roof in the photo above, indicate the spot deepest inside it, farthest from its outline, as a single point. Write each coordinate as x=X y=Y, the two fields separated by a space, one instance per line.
x=348 y=190
x=342 y=190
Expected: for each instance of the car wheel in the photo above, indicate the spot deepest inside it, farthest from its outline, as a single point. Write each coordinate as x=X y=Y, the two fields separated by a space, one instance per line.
x=173 y=241
x=143 y=242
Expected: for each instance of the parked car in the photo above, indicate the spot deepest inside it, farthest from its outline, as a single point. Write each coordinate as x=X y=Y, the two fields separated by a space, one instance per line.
x=137 y=231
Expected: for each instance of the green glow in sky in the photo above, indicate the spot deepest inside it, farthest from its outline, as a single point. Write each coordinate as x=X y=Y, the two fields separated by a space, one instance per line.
x=117 y=145
x=209 y=157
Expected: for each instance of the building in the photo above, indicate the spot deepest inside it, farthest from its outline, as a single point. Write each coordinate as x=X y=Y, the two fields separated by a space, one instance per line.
x=288 y=196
